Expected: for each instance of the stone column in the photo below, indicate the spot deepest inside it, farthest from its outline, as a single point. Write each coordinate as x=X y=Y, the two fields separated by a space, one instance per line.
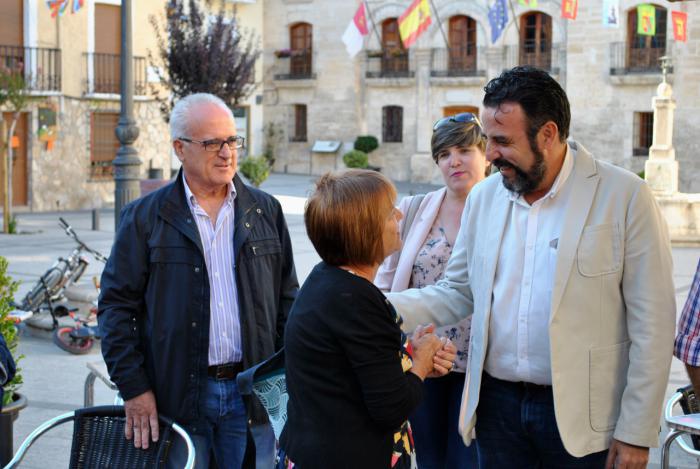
x=661 y=169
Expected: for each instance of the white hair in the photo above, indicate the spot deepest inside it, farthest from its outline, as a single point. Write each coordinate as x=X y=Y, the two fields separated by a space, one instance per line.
x=179 y=117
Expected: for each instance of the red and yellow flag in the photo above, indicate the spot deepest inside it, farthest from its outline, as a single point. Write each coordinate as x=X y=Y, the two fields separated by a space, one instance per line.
x=646 y=20
x=414 y=21
x=680 y=26
x=569 y=9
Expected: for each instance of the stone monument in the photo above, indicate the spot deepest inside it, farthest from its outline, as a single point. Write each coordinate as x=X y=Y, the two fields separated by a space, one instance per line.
x=682 y=211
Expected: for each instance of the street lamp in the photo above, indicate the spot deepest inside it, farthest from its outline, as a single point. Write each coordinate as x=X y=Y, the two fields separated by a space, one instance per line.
x=127 y=164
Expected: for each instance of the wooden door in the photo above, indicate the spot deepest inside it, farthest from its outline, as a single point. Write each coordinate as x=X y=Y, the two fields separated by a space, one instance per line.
x=11 y=23
x=106 y=60
x=536 y=40
x=395 y=57
x=19 y=167
x=300 y=40
x=462 y=40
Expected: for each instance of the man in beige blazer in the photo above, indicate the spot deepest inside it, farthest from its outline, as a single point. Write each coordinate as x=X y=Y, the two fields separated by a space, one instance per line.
x=565 y=263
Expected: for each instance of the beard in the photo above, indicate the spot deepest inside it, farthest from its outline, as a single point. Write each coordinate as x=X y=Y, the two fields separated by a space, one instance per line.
x=524 y=181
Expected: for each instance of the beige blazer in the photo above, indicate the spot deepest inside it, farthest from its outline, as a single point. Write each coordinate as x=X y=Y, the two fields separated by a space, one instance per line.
x=613 y=305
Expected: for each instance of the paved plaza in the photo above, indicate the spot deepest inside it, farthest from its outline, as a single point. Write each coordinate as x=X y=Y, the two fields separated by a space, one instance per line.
x=54 y=379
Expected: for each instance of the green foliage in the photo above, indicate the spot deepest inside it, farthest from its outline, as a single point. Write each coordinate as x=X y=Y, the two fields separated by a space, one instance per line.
x=256 y=169
x=12 y=226
x=366 y=143
x=356 y=159
x=8 y=287
x=12 y=89
x=641 y=174
x=273 y=136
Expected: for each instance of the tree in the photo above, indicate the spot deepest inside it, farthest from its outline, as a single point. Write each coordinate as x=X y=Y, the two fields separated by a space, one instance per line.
x=202 y=53
x=13 y=94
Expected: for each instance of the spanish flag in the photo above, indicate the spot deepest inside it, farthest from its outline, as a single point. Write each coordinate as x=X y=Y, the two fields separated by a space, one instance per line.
x=680 y=26
x=414 y=21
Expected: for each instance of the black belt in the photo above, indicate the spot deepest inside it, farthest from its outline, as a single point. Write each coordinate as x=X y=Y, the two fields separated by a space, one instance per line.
x=522 y=385
x=225 y=371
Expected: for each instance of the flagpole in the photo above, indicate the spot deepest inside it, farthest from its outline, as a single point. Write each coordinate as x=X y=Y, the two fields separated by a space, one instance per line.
x=374 y=25
x=512 y=12
x=444 y=36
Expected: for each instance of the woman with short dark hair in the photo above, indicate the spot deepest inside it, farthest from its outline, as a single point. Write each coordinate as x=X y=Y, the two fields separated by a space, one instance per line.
x=351 y=378
x=430 y=229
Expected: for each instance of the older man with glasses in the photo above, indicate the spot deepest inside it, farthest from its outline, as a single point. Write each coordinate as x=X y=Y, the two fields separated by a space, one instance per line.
x=197 y=288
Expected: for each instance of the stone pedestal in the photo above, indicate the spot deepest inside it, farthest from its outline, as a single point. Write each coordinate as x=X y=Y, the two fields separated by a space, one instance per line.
x=661 y=169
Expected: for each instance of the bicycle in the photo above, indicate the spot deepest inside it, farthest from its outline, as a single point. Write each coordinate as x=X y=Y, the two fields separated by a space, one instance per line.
x=48 y=294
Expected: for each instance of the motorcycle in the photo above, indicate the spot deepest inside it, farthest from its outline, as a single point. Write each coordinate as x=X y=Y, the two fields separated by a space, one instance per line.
x=48 y=295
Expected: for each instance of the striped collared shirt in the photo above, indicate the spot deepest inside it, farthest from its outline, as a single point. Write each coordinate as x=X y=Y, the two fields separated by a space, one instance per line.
x=687 y=346
x=217 y=242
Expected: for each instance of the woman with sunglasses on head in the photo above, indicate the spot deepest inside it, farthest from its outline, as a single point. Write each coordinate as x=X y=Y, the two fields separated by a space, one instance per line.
x=429 y=229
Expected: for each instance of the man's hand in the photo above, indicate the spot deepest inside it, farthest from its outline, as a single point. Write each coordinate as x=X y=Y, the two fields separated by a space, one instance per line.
x=624 y=456
x=141 y=419
x=444 y=359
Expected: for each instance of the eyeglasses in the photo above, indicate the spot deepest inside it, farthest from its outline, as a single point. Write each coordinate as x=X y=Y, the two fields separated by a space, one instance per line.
x=464 y=118
x=216 y=145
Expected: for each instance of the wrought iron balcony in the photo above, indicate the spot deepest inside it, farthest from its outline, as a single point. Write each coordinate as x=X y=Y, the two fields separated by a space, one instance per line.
x=40 y=66
x=389 y=64
x=535 y=55
x=103 y=74
x=627 y=59
x=294 y=65
x=455 y=62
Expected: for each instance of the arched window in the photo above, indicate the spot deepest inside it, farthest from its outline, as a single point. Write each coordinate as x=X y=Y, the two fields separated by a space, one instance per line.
x=395 y=56
x=392 y=124
x=462 y=40
x=536 y=40
x=300 y=38
x=644 y=52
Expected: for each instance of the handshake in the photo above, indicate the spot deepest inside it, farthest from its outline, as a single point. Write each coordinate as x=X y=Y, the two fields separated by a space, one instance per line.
x=432 y=356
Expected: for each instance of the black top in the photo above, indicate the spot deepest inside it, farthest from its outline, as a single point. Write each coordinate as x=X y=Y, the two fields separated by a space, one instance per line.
x=348 y=391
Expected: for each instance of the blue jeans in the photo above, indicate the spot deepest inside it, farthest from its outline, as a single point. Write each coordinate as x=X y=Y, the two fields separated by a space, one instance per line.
x=434 y=424
x=516 y=428
x=225 y=433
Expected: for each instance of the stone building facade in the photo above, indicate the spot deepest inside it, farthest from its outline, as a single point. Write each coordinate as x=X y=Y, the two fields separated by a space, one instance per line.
x=313 y=91
x=65 y=140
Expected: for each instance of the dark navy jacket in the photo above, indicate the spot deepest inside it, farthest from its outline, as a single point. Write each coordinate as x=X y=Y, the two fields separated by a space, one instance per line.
x=154 y=302
x=7 y=366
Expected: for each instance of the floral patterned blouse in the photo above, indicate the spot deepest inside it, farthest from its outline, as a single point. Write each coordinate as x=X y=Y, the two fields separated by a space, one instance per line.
x=428 y=269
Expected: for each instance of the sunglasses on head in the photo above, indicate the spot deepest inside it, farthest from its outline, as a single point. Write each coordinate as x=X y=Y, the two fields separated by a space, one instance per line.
x=463 y=118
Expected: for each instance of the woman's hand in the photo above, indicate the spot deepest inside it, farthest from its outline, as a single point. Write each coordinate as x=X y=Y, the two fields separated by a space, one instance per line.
x=444 y=359
x=425 y=345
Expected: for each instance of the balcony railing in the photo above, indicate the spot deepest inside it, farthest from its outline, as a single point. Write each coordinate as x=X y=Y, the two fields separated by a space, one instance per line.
x=455 y=62
x=41 y=66
x=534 y=55
x=629 y=60
x=103 y=74
x=294 y=65
x=389 y=64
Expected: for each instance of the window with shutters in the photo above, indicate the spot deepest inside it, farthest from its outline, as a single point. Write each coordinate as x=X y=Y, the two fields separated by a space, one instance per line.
x=643 y=133
x=299 y=134
x=300 y=41
x=395 y=55
x=536 y=40
x=106 y=64
x=462 y=40
x=103 y=144
x=392 y=124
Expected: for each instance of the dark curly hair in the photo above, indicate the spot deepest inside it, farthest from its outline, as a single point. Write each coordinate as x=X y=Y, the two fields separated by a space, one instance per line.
x=540 y=96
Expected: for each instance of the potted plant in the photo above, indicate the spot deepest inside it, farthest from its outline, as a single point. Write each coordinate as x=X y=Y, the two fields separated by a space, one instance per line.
x=13 y=402
x=367 y=144
x=256 y=169
x=355 y=159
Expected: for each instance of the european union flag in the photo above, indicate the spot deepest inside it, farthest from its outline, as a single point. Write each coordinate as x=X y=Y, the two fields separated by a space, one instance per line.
x=498 y=17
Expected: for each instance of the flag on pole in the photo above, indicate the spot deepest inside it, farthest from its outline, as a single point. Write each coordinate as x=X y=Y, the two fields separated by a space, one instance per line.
x=611 y=13
x=58 y=7
x=77 y=5
x=569 y=9
x=680 y=26
x=354 y=35
x=528 y=3
x=646 y=20
x=498 y=18
x=414 y=21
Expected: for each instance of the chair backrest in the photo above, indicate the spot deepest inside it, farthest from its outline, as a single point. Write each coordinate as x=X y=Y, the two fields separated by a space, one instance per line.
x=267 y=381
x=690 y=405
x=98 y=441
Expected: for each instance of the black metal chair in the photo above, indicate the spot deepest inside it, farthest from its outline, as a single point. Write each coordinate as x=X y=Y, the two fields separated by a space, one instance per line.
x=99 y=443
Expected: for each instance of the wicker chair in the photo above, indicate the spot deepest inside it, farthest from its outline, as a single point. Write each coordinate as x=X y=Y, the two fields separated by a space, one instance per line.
x=99 y=443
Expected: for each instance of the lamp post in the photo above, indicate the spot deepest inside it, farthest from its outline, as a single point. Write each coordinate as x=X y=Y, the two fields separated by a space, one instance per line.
x=127 y=164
